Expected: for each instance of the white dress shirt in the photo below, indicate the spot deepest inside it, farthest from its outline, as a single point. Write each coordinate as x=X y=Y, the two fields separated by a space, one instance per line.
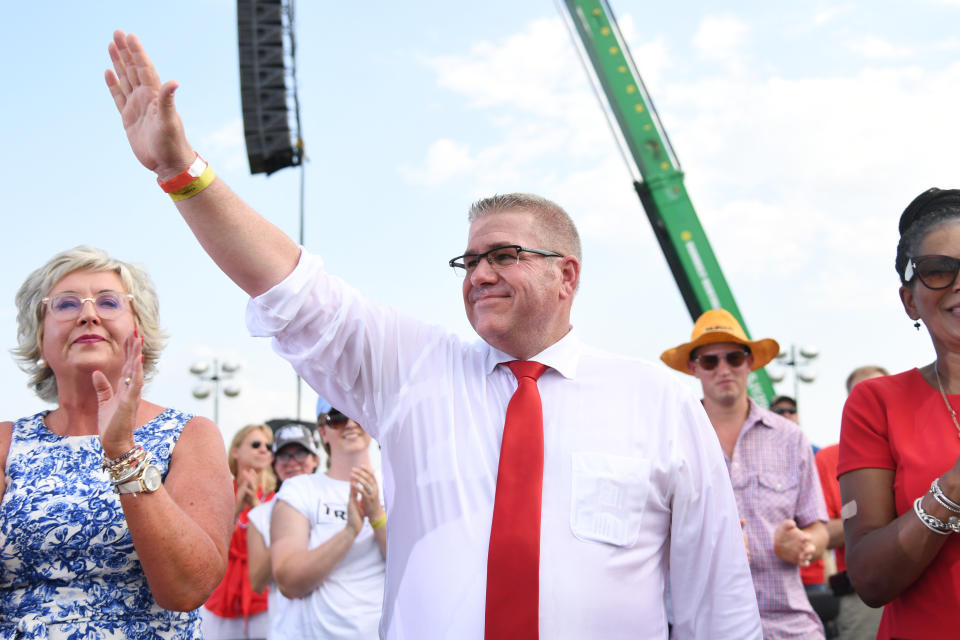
x=635 y=488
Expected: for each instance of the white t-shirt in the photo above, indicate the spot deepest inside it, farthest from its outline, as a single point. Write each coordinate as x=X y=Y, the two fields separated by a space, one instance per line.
x=277 y=603
x=347 y=603
x=635 y=487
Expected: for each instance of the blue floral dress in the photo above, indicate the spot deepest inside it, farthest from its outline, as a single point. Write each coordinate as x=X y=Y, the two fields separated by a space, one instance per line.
x=68 y=569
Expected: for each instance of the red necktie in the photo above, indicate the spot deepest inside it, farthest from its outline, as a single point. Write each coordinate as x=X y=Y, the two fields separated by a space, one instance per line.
x=513 y=559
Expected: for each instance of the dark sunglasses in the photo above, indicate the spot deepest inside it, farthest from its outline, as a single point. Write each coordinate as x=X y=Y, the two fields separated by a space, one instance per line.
x=336 y=423
x=709 y=362
x=934 y=271
x=782 y=411
x=256 y=444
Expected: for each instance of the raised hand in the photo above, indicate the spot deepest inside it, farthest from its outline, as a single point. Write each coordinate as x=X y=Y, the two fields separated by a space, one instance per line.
x=146 y=106
x=117 y=408
x=365 y=482
x=792 y=544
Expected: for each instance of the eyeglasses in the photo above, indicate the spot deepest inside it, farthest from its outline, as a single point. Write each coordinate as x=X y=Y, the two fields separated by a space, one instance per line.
x=256 y=444
x=709 y=362
x=299 y=455
x=934 y=271
x=498 y=258
x=67 y=306
x=782 y=411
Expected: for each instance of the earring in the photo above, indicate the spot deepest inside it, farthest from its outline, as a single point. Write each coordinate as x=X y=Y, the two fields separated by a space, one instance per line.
x=41 y=363
x=917 y=325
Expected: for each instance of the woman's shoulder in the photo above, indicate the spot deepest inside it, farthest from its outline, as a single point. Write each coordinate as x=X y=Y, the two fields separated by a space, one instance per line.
x=305 y=483
x=165 y=422
x=905 y=384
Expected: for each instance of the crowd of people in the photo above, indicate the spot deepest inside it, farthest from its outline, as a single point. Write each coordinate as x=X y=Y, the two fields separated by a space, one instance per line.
x=535 y=487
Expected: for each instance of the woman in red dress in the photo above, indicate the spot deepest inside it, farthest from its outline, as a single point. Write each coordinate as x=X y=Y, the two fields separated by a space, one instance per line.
x=899 y=460
x=234 y=610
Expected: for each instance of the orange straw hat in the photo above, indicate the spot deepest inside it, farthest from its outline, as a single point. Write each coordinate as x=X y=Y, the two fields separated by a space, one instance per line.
x=719 y=325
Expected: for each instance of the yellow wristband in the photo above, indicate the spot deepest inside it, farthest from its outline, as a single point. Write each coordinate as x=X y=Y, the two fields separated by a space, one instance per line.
x=194 y=187
x=379 y=522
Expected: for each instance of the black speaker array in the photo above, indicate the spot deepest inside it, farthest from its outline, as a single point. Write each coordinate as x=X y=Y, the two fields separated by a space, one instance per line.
x=263 y=88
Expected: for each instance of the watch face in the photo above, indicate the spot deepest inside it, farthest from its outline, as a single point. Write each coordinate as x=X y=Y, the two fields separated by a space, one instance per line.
x=152 y=478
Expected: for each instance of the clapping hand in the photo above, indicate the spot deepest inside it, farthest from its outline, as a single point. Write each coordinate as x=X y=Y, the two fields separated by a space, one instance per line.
x=792 y=544
x=365 y=482
x=248 y=482
x=117 y=408
x=355 y=511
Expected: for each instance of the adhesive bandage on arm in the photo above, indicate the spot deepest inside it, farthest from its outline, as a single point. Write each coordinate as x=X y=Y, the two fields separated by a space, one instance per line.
x=848 y=510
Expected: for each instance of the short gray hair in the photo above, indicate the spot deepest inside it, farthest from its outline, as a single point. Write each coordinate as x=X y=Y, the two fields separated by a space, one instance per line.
x=555 y=224
x=146 y=310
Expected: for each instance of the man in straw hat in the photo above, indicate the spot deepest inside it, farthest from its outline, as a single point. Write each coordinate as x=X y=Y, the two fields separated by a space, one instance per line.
x=771 y=468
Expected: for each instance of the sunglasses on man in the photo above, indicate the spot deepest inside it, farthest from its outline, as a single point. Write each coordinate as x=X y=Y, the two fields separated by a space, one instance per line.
x=783 y=411
x=710 y=361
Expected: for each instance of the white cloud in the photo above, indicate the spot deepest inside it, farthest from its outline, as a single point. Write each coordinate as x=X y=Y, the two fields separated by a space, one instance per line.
x=829 y=14
x=227 y=143
x=876 y=48
x=532 y=90
x=949 y=44
x=445 y=159
x=720 y=38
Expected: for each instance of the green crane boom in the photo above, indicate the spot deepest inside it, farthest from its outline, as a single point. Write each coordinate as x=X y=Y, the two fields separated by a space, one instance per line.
x=658 y=178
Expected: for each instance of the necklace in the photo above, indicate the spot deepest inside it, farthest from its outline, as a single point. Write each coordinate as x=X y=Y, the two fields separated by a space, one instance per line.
x=953 y=414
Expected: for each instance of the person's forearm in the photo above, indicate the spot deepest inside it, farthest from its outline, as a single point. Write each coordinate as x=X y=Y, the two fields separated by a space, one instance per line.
x=181 y=561
x=834 y=533
x=887 y=560
x=258 y=560
x=300 y=572
x=381 y=537
x=252 y=251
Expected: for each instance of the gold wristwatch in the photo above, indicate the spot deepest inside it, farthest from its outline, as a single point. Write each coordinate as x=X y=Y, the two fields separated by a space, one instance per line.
x=147 y=481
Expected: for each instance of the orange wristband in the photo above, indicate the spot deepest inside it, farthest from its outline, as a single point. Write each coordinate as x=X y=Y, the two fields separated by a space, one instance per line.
x=185 y=177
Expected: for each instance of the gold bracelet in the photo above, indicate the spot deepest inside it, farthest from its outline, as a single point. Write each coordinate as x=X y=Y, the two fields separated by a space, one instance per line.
x=379 y=522
x=121 y=469
x=112 y=462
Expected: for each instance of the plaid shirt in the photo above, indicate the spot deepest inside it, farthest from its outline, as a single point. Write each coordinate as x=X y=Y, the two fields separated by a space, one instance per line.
x=775 y=478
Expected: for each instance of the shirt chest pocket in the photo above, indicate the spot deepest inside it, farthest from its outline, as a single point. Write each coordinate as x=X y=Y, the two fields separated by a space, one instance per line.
x=777 y=492
x=609 y=493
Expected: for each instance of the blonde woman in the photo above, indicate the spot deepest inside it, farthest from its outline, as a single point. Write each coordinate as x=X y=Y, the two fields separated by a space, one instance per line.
x=235 y=611
x=115 y=512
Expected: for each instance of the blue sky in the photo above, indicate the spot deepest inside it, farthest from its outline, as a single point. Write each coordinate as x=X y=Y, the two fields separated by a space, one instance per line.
x=803 y=130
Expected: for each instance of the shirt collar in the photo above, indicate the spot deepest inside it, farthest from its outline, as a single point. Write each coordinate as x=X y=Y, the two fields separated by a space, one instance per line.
x=563 y=356
x=760 y=416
